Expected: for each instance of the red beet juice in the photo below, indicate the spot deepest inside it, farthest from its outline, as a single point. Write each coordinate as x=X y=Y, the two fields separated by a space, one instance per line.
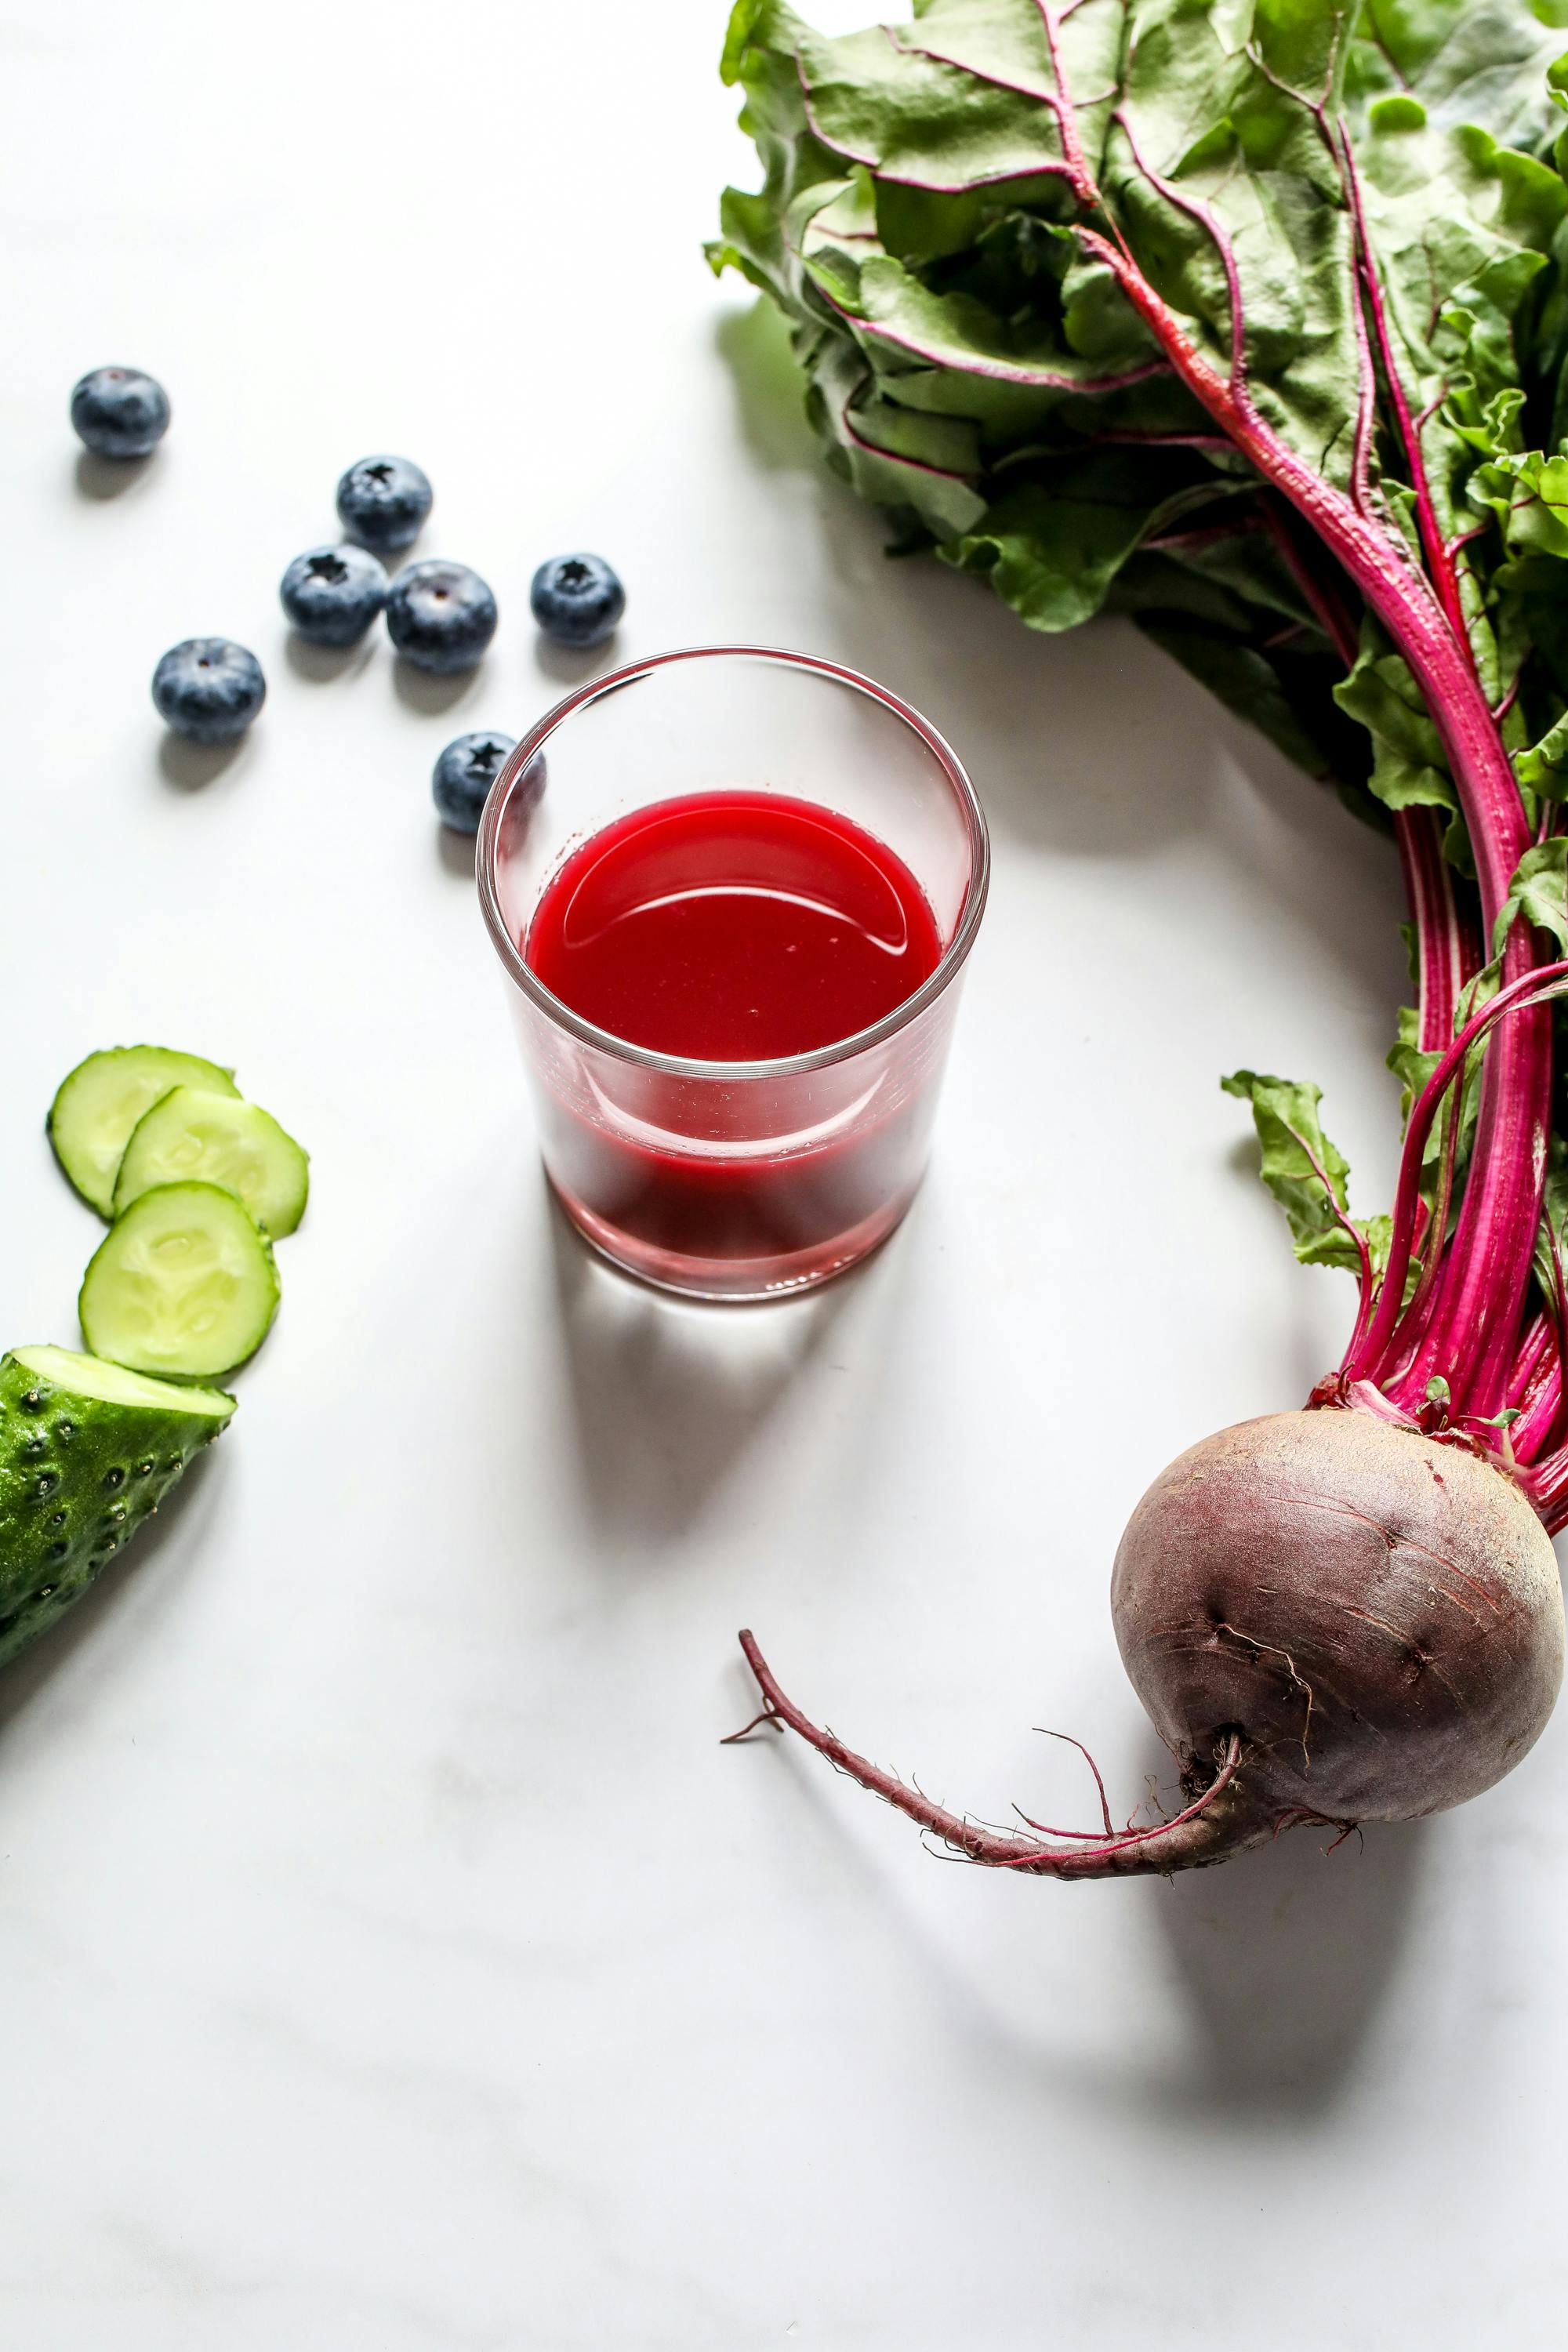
x=740 y=926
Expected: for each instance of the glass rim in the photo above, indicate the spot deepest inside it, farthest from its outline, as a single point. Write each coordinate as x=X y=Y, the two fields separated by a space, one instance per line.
x=822 y=1057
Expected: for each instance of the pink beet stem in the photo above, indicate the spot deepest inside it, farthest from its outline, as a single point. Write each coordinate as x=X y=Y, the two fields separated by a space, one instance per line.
x=1449 y=953
x=1523 y=996
x=1486 y=1271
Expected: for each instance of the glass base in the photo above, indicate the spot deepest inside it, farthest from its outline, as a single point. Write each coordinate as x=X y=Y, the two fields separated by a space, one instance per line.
x=739 y=1281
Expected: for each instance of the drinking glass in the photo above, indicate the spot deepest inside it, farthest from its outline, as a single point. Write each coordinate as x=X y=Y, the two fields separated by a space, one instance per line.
x=733 y=1179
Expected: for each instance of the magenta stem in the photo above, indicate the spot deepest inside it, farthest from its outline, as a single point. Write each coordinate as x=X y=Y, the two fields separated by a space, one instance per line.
x=1524 y=996
x=1065 y=111
x=1486 y=1272
x=1535 y=1390
x=1449 y=953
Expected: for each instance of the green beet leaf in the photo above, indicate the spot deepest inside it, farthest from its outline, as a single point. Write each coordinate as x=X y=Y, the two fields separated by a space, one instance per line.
x=1305 y=1171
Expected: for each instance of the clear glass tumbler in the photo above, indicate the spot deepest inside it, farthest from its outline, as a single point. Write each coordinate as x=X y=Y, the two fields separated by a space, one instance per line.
x=733 y=1179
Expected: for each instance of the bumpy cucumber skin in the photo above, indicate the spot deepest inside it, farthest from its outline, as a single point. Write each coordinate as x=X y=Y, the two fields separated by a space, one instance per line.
x=95 y=1184
x=77 y=1477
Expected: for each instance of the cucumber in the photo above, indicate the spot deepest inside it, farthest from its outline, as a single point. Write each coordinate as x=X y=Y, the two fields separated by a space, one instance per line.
x=91 y=1117
x=182 y=1285
x=87 y=1453
x=218 y=1139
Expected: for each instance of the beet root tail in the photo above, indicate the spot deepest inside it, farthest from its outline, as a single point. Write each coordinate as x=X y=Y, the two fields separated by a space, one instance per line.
x=1222 y=1818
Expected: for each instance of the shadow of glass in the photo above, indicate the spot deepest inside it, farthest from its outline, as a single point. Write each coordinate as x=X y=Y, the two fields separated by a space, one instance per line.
x=108 y=477
x=322 y=663
x=186 y=1511
x=187 y=767
x=668 y=1395
x=424 y=691
x=1286 y=1957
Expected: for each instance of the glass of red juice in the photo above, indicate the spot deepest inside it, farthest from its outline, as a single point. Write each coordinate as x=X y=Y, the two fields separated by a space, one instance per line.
x=733 y=890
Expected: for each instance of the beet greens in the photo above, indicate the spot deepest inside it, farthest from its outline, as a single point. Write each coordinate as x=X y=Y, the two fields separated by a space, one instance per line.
x=1250 y=318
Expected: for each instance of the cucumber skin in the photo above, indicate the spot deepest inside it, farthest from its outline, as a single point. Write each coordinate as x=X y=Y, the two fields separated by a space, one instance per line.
x=73 y=1490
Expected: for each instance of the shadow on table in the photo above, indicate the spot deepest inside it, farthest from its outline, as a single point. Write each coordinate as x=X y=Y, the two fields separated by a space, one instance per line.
x=568 y=667
x=323 y=664
x=1284 y=1961
x=669 y=1395
x=109 y=477
x=142 y=1562
x=187 y=767
x=432 y=693
x=1286 y=1957
x=458 y=852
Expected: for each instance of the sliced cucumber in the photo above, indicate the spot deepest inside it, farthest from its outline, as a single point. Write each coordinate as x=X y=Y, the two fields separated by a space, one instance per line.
x=87 y=1453
x=182 y=1285
x=107 y=1383
x=217 y=1140
x=91 y=1118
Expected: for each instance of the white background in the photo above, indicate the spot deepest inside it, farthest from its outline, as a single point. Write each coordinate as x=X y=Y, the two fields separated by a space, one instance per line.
x=391 y=1960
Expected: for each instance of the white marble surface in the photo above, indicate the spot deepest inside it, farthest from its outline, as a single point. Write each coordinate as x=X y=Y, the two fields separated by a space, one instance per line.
x=391 y=1960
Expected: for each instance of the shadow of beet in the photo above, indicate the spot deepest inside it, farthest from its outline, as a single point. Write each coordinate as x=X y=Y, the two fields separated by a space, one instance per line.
x=755 y=344
x=1286 y=1958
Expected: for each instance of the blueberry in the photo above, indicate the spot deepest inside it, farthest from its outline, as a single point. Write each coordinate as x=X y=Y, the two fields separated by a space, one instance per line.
x=464 y=774
x=119 y=412
x=333 y=594
x=208 y=688
x=441 y=616
x=576 y=599
x=382 y=501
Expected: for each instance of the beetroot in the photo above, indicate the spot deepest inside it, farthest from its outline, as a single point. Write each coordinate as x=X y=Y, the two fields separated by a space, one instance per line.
x=1379 y=1614
x=1328 y=1619
x=1238 y=319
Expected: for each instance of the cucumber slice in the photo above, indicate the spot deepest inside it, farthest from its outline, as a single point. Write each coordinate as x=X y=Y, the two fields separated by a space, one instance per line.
x=91 y=1118
x=87 y=1453
x=217 y=1140
x=182 y=1285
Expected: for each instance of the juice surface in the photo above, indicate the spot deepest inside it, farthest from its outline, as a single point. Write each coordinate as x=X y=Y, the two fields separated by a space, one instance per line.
x=733 y=926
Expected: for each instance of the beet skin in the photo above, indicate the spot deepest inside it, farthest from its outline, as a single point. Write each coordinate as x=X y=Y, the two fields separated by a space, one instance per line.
x=1377 y=1614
